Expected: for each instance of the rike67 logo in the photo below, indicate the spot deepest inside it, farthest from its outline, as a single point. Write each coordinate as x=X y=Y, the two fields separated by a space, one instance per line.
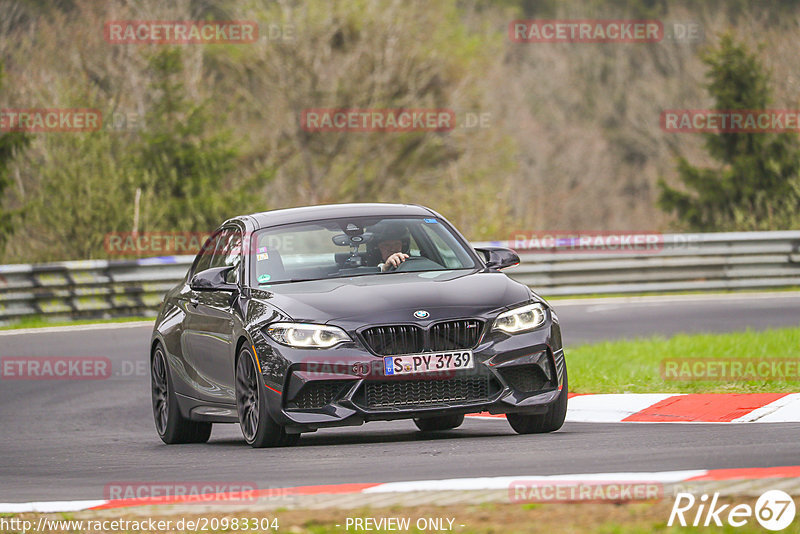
x=774 y=510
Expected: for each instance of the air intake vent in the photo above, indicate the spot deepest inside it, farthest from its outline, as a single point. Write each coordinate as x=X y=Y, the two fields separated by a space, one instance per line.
x=409 y=339
x=318 y=393
x=454 y=335
x=394 y=340
x=524 y=378
x=413 y=393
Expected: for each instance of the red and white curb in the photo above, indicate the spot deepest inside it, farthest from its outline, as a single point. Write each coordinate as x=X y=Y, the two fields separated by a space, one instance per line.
x=453 y=484
x=681 y=408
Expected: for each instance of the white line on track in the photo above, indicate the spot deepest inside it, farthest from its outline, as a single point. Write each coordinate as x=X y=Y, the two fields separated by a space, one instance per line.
x=611 y=407
x=785 y=409
x=47 y=507
x=491 y=483
x=75 y=328
x=659 y=299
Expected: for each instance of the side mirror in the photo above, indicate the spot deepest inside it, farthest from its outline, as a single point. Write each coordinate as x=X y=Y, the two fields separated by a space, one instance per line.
x=212 y=280
x=499 y=257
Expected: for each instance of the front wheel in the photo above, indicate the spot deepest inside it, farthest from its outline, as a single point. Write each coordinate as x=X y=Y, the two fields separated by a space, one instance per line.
x=441 y=422
x=171 y=426
x=549 y=421
x=258 y=427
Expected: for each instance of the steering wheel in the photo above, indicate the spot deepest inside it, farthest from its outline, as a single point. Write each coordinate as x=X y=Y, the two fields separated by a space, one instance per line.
x=399 y=268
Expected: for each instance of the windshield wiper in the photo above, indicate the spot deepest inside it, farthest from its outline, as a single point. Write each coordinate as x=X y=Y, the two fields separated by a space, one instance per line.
x=289 y=281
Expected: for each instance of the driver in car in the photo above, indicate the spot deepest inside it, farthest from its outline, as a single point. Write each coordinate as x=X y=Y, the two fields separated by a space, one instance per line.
x=391 y=245
x=391 y=254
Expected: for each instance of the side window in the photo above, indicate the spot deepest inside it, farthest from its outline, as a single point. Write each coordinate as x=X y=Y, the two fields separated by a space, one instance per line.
x=234 y=258
x=203 y=260
x=228 y=253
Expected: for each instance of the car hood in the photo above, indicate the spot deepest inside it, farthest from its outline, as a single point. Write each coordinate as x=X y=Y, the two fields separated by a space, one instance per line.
x=395 y=297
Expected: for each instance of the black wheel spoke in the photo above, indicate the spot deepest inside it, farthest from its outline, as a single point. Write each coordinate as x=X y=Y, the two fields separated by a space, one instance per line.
x=243 y=384
x=160 y=391
x=247 y=395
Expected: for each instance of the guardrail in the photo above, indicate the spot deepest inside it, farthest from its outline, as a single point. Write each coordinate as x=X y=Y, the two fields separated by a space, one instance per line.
x=672 y=262
x=89 y=288
x=558 y=266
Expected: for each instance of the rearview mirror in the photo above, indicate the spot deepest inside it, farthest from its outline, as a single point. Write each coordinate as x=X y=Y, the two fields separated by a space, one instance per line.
x=213 y=279
x=344 y=240
x=499 y=257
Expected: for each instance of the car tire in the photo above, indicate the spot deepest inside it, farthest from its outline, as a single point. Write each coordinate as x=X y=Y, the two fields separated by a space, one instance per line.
x=258 y=427
x=549 y=421
x=440 y=422
x=171 y=426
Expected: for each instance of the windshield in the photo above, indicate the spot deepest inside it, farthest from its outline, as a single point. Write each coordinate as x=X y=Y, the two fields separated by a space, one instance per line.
x=337 y=248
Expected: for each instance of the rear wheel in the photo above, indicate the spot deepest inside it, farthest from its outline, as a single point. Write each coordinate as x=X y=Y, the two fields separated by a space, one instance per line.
x=171 y=426
x=440 y=422
x=258 y=427
x=549 y=421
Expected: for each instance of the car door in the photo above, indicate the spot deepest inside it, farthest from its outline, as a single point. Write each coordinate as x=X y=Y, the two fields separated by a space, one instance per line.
x=208 y=325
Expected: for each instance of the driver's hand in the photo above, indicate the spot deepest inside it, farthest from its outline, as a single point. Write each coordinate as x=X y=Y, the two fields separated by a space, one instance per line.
x=394 y=261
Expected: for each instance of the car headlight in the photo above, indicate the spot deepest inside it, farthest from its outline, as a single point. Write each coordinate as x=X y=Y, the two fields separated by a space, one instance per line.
x=303 y=335
x=521 y=319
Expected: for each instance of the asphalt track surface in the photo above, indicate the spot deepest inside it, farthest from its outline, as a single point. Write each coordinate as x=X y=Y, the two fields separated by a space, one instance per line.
x=65 y=440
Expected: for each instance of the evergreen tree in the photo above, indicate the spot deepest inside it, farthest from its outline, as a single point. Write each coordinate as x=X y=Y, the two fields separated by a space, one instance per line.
x=11 y=143
x=755 y=186
x=187 y=159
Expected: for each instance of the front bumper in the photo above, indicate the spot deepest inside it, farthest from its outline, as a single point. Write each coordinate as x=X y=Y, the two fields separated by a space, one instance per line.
x=346 y=385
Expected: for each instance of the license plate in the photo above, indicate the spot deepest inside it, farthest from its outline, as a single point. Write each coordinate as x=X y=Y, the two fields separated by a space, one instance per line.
x=409 y=364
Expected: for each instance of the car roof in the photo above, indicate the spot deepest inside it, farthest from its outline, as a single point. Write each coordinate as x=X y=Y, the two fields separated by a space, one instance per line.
x=333 y=211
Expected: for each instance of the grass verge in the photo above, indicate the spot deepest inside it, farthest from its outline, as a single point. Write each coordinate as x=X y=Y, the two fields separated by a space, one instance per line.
x=637 y=366
x=585 y=517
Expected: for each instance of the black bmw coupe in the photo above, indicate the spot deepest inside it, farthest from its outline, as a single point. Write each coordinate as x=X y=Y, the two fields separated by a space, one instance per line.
x=293 y=320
